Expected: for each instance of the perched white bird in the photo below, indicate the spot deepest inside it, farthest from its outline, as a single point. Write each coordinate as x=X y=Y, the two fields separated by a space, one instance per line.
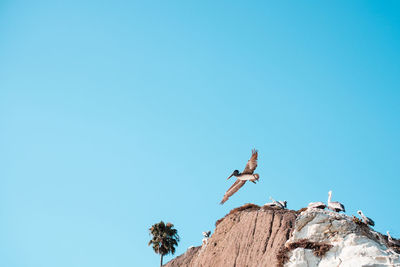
x=366 y=220
x=270 y=204
x=393 y=241
x=317 y=205
x=335 y=206
x=280 y=204
x=206 y=236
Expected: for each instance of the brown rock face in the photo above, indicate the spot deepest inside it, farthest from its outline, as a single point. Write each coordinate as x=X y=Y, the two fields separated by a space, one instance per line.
x=185 y=259
x=247 y=236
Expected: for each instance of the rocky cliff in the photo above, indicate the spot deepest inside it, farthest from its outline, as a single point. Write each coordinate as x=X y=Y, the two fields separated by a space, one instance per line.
x=265 y=236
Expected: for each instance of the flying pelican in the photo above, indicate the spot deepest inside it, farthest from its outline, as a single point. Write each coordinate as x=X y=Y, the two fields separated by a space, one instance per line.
x=366 y=219
x=317 y=205
x=242 y=178
x=393 y=241
x=335 y=206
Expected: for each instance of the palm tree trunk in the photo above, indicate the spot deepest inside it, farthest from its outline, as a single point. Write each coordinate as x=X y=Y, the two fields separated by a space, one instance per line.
x=161 y=259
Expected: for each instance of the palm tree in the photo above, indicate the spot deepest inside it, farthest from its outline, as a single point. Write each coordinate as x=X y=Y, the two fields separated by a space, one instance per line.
x=164 y=240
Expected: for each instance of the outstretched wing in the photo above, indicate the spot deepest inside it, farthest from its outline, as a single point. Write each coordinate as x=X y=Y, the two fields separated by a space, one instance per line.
x=232 y=190
x=252 y=163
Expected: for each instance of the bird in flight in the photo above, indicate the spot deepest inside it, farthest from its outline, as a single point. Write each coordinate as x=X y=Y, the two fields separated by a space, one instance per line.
x=242 y=178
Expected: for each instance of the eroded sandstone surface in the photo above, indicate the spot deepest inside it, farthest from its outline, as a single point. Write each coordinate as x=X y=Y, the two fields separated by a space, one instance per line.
x=265 y=236
x=250 y=237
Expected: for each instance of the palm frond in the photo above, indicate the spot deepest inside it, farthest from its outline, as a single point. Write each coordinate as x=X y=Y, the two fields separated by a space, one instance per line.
x=164 y=238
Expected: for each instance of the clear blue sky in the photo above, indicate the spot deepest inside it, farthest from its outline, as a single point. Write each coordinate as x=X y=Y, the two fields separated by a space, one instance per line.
x=116 y=115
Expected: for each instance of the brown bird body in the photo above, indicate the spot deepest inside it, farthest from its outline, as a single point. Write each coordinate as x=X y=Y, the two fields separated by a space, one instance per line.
x=242 y=178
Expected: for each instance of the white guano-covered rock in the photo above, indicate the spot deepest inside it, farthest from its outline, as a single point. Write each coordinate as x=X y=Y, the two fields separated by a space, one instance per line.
x=352 y=244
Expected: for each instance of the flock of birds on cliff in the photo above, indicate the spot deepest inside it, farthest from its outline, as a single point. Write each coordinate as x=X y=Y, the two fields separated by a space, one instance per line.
x=249 y=175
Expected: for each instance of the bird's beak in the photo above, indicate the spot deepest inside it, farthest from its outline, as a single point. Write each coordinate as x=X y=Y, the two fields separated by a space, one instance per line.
x=229 y=176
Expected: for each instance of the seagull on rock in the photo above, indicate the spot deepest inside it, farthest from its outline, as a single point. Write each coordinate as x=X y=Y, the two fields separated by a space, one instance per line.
x=242 y=178
x=335 y=206
x=276 y=204
x=280 y=204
